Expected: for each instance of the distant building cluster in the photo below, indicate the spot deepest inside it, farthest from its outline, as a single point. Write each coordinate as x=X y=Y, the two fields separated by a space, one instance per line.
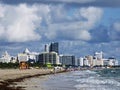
x=51 y=55
x=97 y=60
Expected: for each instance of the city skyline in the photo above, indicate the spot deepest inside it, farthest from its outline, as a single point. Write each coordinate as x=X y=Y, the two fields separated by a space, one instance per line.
x=55 y=49
x=81 y=27
x=53 y=57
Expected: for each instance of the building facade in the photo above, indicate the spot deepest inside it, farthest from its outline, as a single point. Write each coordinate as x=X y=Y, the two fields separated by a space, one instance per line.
x=99 y=55
x=46 y=48
x=54 y=47
x=90 y=60
x=80 y=61
x=48 y=57
x=5 y=58
x=67 y=60
x=27 y=56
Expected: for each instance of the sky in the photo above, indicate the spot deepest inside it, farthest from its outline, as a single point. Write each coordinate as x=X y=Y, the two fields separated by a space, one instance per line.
x=82 y=27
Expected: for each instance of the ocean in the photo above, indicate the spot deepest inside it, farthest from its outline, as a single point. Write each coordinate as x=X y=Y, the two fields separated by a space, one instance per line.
x=106 y=79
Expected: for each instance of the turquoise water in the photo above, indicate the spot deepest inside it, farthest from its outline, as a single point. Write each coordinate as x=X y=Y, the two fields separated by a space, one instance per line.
x=107 y=79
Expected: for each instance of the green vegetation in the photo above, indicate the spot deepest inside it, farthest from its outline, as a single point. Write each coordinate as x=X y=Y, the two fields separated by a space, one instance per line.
x=34 y=65
x=9 y=65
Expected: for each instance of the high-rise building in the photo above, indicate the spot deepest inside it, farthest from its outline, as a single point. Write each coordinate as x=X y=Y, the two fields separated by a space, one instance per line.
x=99 y=55
x=80 y=61
x=48 y=57
x=46 y=47
x=54 y=47
x=5 y=58
x=98 y=62
x=67 y=59
x=113 y=61
x=27 y=56
x=90 y=59
x=105 y=62
x=85 y=62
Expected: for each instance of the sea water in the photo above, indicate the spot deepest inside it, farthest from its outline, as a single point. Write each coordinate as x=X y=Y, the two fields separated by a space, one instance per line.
x=106 y=79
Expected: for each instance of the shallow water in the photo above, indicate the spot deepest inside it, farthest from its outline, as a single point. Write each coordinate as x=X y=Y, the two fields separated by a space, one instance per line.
x=107 y=79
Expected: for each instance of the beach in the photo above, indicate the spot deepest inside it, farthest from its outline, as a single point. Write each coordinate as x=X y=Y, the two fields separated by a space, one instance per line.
x=44 y=79
x=8 y=77
x=105 y=79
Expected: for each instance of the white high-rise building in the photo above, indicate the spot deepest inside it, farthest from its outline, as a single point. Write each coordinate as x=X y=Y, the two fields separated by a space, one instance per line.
x=116 y=62
x=94 y=62
x=85 y=62
x=5 y=58
x=99 y=55
x=90 y=60
x=80 y=61
x=98 y=62
x=27 y=56
x=112 y=61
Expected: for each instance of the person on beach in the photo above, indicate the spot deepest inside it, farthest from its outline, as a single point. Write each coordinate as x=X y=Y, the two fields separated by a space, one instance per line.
x=55 y=69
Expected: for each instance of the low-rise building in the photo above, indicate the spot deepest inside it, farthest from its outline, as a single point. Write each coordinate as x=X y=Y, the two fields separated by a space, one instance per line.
x=28 y=56
x=113 y=61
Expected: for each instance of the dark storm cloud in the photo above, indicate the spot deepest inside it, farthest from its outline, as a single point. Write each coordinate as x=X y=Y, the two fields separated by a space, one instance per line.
x=115 y=36
x=100 y=3
x=115 y=31
x=100 y=34
x=106 y=34
x=4 y=43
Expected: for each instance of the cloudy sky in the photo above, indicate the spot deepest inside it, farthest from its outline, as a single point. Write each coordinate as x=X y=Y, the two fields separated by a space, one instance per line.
x=81 y=27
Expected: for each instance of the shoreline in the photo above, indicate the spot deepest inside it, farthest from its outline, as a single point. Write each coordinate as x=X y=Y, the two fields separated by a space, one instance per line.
x=8 y=83
x=10 y=77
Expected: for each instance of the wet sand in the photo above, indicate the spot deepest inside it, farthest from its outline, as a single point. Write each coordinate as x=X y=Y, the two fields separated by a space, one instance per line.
x=8 y=77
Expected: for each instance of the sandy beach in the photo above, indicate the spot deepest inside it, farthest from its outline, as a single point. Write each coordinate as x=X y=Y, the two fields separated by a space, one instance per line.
x=6 y=74
x=9 y=76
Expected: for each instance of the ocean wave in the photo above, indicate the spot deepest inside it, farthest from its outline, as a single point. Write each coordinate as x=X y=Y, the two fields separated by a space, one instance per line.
x=92 y=80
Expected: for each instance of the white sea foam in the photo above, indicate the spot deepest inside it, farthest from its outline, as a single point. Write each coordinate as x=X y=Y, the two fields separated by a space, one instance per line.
x=93 y=80
x=90 y=80
x=92 y=87
x=93 y=83
x=85 y=72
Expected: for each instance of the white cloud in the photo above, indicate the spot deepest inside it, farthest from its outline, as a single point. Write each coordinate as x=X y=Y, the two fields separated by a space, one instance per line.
x=76 y=30
x=18 y=23
x=92 y=14
x=85 y=35
x=73 y=1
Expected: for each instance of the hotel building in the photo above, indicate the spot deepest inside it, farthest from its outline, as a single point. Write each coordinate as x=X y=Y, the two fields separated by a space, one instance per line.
x=67 y=59
x=27 y=56
x=54 y=47
x=48 y=57
x=5 y=57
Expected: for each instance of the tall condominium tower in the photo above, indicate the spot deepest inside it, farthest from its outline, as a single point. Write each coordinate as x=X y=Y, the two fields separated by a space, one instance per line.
x=46 y=47
x=48 y=57
x=54 y=47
